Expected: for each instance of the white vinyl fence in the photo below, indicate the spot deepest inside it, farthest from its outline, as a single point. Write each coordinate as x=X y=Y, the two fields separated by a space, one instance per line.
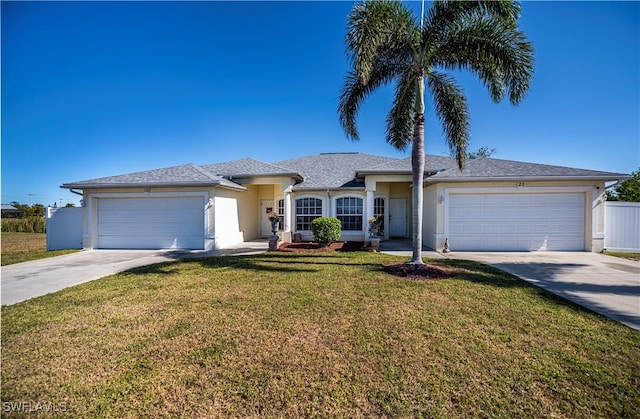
x=622 y=226
x=64 y=228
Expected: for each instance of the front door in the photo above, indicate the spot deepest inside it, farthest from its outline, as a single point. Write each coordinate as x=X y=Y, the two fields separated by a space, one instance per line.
x=397 y=217
x=266 y=206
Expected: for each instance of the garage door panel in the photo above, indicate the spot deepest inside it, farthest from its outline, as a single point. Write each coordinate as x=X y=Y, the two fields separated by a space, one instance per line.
x=524 y=222
x=151 y=223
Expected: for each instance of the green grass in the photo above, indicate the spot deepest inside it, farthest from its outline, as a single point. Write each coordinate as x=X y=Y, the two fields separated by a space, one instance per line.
x=625 y=255
x=23 y=247
x=326 y=334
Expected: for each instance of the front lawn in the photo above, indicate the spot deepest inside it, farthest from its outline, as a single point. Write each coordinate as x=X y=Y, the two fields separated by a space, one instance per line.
x=328 y=334
x=625 y=255
x=23 y=247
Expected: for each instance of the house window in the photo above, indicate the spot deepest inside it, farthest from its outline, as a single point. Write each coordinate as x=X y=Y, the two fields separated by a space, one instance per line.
x=376 y=226
x=349 y=212
x=378 y=207
x=307 y=209
x=281 y=214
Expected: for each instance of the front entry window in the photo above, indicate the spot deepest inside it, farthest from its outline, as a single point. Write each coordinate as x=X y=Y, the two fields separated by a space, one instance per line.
x=378 y=214
x=281 y=214
x=349 y=212
x=307 y=209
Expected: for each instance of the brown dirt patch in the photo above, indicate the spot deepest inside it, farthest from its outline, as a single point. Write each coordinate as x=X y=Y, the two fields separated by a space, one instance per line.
x=310 y=247
x=426 y=272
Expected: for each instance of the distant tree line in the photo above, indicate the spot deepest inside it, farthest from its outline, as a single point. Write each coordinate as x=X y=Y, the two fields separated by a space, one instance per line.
x=28 y=211
x=27 y=218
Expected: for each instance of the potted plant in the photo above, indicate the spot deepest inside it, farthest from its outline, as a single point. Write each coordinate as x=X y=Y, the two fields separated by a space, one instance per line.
x=376 y=226
x=275 y=220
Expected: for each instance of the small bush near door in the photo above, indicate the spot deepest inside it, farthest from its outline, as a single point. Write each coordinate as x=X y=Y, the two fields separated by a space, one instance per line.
x=326 y=230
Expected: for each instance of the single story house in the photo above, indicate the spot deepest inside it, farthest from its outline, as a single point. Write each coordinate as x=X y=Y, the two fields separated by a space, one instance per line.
x=492 y=205
x=10 y=211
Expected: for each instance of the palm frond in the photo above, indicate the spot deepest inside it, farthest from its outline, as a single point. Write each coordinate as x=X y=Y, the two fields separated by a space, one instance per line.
x=377 y=28
x=451 y=108
x=356 y=91
x=494 y=50
x=443 y=15
x=400 y=120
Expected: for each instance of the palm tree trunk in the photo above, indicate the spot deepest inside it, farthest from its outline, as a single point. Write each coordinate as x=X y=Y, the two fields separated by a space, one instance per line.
x=417 y=164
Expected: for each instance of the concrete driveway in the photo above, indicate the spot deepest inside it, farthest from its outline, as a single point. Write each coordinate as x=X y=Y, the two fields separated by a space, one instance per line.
x=607 y=285
x=26 y=280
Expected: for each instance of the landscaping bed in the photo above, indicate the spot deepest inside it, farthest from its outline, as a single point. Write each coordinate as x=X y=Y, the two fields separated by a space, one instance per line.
x=313 y=247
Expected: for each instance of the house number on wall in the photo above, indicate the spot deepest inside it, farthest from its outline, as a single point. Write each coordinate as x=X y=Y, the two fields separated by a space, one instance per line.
x=519 y=184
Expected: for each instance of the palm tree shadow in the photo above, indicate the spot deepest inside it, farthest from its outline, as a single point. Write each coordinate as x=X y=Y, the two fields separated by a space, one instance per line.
x=480 y=273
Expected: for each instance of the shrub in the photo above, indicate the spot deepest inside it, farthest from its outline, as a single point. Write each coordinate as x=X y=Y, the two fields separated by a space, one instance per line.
x=24 y=225
x=326 y=230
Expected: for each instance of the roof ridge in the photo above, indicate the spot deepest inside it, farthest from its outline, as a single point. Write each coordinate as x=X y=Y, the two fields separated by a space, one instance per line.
x=203 y=172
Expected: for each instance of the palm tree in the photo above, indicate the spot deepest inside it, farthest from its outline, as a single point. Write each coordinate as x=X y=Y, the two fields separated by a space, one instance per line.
x=386 y=44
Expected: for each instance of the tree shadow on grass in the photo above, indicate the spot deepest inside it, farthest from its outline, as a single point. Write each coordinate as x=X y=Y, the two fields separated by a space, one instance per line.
x=265 y=262
x=480 y=273
x=546 y=280
x=246 y=262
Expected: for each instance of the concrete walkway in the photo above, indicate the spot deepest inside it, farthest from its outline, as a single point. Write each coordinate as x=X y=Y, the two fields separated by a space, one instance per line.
x=608 y=285
x=22 y=281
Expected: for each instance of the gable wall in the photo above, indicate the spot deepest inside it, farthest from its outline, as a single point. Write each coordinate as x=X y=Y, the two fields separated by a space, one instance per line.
x=430 y=216
x=248 y=201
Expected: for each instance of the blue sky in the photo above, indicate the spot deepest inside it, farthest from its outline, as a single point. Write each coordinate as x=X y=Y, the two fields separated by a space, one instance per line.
x=92 y=89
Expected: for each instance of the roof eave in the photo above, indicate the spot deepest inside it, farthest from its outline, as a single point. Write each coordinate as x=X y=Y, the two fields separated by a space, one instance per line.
x=524 y=178
x=84 y=186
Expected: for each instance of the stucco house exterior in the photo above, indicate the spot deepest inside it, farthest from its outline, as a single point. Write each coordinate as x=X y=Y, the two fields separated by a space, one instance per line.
x=492 y=205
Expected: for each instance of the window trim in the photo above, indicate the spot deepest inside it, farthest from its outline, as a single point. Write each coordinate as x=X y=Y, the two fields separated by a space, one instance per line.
x=295 y=209
x=280 y=213
x=362 y=215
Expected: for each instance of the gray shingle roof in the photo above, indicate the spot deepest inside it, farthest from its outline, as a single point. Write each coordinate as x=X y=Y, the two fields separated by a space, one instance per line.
x=342 y=170
x=432 y=164
x=185 y=175
x=248 y=167
x=496 y=169
x=332 y=170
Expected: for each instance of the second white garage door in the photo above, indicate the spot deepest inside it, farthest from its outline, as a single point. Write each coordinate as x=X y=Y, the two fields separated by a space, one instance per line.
x=151 y=223
x=517 y=222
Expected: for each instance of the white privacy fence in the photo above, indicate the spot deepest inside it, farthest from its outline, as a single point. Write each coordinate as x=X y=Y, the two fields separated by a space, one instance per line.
x=64 y=228
x=622 y=226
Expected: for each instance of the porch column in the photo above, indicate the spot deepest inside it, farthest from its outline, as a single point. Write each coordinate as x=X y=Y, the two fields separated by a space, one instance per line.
x=287 y=211
x=368 y=213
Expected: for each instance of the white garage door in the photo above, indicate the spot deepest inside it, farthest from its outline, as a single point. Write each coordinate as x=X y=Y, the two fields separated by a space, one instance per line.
x=151 y=223
x=516 y=222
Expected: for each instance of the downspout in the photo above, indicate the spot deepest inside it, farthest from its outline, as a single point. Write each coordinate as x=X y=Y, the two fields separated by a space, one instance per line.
x=613 y=185
x=78 y=193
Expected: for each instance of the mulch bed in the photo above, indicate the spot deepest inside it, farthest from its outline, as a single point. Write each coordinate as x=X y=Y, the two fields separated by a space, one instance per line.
x=416 y=272
x=425 y=272
x=311 y=247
